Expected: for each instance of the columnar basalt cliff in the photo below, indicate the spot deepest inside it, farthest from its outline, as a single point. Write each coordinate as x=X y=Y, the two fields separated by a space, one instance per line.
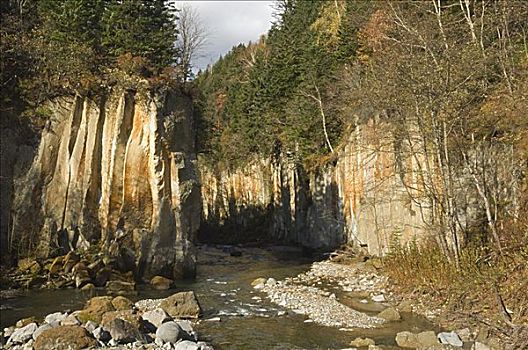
x=116 y=174
x=369 y=196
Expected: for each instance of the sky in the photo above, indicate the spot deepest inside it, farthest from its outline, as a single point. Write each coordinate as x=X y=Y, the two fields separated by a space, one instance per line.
x=229 y=23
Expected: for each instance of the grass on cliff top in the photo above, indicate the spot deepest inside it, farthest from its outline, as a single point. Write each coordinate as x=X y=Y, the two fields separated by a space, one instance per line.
x=487 y=289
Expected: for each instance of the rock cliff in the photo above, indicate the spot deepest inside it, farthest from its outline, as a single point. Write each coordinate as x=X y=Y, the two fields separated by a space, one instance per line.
x=368 y=196
x=117 y=175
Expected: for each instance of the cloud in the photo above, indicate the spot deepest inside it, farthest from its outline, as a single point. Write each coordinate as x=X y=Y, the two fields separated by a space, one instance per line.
x=230 y=23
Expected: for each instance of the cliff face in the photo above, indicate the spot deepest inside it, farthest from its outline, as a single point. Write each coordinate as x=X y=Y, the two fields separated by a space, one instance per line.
x=117 y=174
x=363 y=198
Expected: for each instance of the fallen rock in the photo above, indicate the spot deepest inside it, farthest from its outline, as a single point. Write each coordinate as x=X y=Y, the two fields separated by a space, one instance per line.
x=412 y=340
x=95 y=308
x=88 y=287
x=169 y=332
x=22 y=335
x=156 y=317
x=479 y=346
x=258 y=281
x=70 y=320
x=101 y=334
x=125 y=315
x=181 y=305
x=378 y=298
x=362 y=342
x=122 y=303
x=464 y=334
x=55 y=318
x=161 y=283
x=450 y=338
x=405 y=306
x=41 y=329
x=64 y=337
x=120 y=286
x=187 y=345
x=122 y=331
x=390 y=314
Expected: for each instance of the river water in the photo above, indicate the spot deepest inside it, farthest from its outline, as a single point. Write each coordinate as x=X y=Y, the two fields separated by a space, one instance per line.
x=248 y=319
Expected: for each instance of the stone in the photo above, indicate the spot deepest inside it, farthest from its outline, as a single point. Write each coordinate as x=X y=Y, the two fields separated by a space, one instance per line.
x=101 y=334
x=82 y=277
x=412 y=340
x=161 y=283
x=25 y=321
x=479 y=346
x=181 y=305
x=56 y=265
x=95 y=308
x=450 y=338
x=405 y=306
x=122 y=303
x=127 y=315
x=55 y=318
x=88 y=287
x=64 y=337
x=102 y=276
x=120 y=286
x=26 y=264
x=156 y=317
x=41 y=329
x=271 y=282
x=362 y=342
x=378 y=298
x=169 y=332
x=464 y=334
x=258 y=281
x=70 y=320
x=122 y=331
x=91 y=326
x=390 y=314
x=188 y=330
x=186 y=345
x=21 y=335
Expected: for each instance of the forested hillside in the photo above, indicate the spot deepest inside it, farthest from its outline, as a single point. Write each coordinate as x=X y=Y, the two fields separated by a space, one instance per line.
x=448 y=83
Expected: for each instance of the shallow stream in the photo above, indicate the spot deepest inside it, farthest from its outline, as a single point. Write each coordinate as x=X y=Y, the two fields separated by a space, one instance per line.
x=248 y=319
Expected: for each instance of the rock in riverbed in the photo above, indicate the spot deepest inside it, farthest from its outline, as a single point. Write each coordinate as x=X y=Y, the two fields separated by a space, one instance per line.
x=64 y=337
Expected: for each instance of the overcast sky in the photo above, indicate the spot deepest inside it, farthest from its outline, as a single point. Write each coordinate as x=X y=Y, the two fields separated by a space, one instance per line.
x=230 y=23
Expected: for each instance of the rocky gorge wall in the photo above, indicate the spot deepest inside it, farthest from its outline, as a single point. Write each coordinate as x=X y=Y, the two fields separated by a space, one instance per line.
x=362 y=198
x=115 y=175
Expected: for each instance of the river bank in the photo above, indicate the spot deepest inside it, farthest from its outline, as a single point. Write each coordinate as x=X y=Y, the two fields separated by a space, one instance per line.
x=299 y=304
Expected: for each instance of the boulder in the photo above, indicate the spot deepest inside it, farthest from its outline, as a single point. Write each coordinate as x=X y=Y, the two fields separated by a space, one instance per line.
x=189 y=333
x=23 y=334
x=169 y=332
x=95 y=308
x=160 y=282
x=91 y=326
x=101 y=334
x=70 y=320
x=390 y=314
x=464 y=334
x=122 y=303
x=120 y=286
x=64 y=337
x=479 y=346
x=27 y=264
x=88 y=287
x=450 y=338
x=156 y=317
x=187 y=345
x=271 y=282
x=25 y=321
x=55 y=318
x=258 y=281
x=125 y=315
x=181 y=305
x=412 y=340
x=378 y=298
x=122 y=331
x=41 y=329
x=362 y=342
x=405 y=306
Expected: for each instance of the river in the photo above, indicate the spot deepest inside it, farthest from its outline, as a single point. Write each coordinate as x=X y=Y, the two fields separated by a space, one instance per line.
x=248 y=319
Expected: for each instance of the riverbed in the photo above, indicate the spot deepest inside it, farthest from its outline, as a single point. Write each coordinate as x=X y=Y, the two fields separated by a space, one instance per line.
x=235 y=315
